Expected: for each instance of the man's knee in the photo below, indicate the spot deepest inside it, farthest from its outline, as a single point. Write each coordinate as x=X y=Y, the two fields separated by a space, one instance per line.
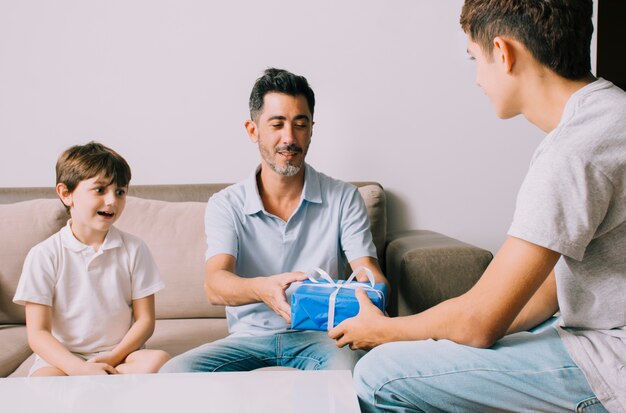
x=178 y=364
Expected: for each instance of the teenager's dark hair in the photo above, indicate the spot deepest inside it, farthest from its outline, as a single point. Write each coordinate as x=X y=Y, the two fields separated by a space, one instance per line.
x=81 y=162
x=556 y=32
x=281 y=81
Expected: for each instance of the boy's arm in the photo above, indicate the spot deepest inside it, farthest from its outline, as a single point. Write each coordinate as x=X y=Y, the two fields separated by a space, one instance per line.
x=137 y=335
x=222 y=286
x=42 y=342
x=477 y=318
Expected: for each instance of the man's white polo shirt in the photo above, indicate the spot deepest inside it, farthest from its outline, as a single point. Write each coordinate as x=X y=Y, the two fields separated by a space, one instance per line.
x=328 y=229
x=90 y=292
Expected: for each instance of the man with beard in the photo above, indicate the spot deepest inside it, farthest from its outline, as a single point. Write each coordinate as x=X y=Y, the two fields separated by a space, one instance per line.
x=265 y=232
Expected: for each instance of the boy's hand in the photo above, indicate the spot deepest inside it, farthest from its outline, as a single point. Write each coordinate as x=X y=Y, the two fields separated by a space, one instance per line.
x=106 y=358
x=91 y=368
x=271 y=290
x=361 y=331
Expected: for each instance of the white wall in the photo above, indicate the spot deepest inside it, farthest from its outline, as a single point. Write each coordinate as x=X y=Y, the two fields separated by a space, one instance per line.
x=166 y=84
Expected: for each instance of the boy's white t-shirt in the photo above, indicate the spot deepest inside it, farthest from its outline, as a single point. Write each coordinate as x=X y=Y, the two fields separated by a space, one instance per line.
x=573 y=201
x=90 y=292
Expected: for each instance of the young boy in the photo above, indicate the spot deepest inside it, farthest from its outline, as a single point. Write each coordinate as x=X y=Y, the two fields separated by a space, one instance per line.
x=565 y=248
x=89 y=289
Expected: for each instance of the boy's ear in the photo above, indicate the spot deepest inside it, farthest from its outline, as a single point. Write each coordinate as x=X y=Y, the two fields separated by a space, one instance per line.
x=504 y=53
x=64 y=194
x=252 y=131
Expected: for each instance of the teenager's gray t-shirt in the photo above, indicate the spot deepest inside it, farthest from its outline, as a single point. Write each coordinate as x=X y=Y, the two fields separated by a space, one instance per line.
x=573 y=201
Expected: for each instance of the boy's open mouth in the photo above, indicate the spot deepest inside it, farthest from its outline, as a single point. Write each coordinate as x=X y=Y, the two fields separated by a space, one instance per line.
x=106 y=214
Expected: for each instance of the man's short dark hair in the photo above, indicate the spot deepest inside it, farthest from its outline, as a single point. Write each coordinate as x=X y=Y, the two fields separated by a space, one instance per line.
x=82 y=162
x=556 y=32
x=279 y=81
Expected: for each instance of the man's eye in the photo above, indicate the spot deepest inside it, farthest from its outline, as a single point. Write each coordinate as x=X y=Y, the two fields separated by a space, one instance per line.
x=121 y=192
x=301 y=125
x=277 y=125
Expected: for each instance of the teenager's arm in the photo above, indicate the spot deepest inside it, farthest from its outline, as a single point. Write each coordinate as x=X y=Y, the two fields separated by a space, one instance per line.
x=539 y=308
x=42 y=342
x=477 y=318
x=372 y=264
x=222 y=286
x=137 y=335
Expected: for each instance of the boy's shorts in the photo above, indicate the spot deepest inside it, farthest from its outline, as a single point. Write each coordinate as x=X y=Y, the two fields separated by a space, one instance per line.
x=41 y=363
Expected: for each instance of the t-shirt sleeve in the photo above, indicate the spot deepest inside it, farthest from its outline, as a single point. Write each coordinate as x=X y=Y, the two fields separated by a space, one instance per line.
x=219 y=226
x=356 y=237
x=561 y=203
x=146 y=279
x=38 y=278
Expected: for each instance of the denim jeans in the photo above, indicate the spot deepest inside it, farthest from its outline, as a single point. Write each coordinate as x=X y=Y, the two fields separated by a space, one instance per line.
x=522 y=372
x=304 y=350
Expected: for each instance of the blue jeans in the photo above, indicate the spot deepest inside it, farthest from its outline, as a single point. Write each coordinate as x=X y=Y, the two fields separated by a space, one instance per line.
x=304 y=350
x=523 y=372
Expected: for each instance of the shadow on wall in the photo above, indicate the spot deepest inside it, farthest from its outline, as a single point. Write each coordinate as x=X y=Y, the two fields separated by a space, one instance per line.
x=398 y=214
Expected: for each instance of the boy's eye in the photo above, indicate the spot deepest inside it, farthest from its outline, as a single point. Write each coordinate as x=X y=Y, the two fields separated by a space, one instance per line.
x=121 y=192
x=99 y=190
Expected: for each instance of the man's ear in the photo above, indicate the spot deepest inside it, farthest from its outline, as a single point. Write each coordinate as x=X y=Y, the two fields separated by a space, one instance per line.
x=253 y=133
x=504 y=53
x=64 y=194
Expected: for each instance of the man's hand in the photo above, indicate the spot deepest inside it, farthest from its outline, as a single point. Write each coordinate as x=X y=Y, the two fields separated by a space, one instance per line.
x=271 y=290
x=362 y=331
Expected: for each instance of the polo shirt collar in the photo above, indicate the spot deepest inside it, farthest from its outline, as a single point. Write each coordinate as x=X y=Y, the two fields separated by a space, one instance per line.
x=311 y=192
x=112 y=240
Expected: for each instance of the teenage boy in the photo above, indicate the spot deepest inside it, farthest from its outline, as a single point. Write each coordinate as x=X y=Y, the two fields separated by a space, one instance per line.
x=89 y=288
x=285 y=218
x=565 y=249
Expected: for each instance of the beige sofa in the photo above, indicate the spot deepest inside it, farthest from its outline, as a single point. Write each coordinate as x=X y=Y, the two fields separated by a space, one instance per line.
x=423 y=267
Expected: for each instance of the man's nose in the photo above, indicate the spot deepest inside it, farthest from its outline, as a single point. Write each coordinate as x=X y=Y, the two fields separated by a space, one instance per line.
x=288 y=135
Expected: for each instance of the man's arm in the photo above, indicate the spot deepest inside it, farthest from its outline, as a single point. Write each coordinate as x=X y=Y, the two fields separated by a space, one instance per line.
x=137 y=335
x=372 y=264
x=477 y=318
x=222 y=286
x=42 y=342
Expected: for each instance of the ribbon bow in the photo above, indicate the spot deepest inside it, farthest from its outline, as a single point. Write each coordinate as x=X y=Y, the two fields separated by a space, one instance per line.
x=339 y=284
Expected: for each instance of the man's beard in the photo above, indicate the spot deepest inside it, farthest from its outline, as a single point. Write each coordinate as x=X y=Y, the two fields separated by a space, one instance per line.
x=289 y=169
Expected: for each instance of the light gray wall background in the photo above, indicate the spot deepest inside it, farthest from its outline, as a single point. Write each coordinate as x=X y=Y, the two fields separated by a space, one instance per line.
x=166 y=84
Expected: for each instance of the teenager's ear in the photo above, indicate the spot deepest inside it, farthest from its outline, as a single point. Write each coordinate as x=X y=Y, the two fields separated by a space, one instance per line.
x=504 y=53
x=64 y=194
x=253 y=133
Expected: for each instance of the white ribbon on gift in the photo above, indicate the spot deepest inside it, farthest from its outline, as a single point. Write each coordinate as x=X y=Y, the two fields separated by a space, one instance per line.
x=339 y=284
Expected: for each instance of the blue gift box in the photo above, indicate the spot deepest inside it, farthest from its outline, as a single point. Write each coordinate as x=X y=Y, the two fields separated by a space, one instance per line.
x=310 y=303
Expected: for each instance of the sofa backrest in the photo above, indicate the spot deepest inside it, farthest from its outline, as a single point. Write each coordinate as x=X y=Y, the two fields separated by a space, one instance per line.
x=169 y=218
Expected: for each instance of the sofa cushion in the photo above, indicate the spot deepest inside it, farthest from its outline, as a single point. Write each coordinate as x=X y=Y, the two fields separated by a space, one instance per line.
x=376 y=203
x=178 y=336
x=23 y=225
x=14 y=348
x=174 y=232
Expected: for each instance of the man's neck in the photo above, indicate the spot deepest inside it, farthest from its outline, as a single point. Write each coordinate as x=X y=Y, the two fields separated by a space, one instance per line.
x=280 y=194
x=545 y=98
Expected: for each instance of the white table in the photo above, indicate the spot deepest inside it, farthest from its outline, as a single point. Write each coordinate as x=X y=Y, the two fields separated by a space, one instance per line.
x=255 y=391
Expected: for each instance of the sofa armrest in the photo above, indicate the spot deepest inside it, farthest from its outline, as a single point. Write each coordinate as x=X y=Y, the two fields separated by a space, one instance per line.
x=425 y=268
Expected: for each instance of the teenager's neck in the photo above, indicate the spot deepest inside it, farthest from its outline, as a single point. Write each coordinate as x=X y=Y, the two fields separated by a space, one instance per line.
x=280 y=194
x=546 y=96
